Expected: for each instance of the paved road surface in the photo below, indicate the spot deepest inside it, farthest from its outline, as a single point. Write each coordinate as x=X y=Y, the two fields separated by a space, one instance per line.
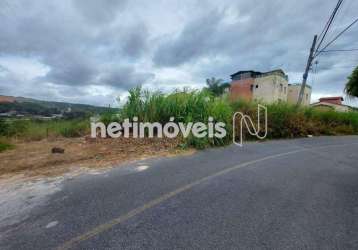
x=288 y=194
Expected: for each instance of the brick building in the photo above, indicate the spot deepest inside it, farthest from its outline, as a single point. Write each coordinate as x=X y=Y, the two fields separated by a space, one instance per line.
x=267 y=87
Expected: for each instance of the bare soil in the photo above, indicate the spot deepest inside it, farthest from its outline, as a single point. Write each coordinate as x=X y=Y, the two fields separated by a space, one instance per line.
x=35 y=158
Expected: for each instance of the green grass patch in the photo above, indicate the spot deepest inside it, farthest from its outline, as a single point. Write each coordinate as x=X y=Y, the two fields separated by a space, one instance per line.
x=5 y=145
x=38 y=129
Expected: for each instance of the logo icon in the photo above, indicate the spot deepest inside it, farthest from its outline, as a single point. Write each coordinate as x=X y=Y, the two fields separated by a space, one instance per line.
x=245 y=119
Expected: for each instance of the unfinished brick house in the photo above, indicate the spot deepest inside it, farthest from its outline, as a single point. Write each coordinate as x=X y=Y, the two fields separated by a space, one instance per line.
x=265 y=87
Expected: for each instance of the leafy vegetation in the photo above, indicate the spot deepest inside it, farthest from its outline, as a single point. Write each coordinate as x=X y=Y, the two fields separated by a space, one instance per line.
x=216 y=86
x=185 y=106
x=352 y=85
x=284 y=120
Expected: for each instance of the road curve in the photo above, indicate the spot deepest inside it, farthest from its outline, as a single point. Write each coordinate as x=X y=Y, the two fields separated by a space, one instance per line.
x=287 y=194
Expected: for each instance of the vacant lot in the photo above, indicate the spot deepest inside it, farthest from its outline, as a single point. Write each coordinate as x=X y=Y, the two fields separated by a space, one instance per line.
x=35 y=158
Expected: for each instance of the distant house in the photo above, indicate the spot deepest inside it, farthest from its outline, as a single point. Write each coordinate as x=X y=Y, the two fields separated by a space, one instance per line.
x=7 y=99
x=267 y=87
x=331 y=103
x=5 y=114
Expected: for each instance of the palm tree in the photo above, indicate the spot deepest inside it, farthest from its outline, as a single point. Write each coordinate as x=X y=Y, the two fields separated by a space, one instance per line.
x=216 y=86
x=351 y=88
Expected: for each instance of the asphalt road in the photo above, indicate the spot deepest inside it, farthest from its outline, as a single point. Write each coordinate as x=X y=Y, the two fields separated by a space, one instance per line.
x=287 y=194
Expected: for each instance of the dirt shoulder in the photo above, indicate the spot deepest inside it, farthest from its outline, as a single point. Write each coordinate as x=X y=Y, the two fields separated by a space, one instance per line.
x=32 y=159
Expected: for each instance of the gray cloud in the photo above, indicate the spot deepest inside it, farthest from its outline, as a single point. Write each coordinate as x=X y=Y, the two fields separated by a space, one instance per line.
x=115 y=45
x=70 y=73
x=124 y=77
x=99 y=12
x=135 y=42
x=194 y=41
x=271 y=35
x=76 y=52
x=130 y=41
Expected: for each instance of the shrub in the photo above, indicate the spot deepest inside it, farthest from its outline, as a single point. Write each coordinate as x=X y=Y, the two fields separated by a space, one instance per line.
x=284 y=120
x=14 y=127
x=184 y=105
x=75 y=128
x=4 y=127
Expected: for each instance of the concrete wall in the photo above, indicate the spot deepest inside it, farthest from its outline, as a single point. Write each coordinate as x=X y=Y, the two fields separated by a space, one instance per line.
x=271 y=88
x=294 y=92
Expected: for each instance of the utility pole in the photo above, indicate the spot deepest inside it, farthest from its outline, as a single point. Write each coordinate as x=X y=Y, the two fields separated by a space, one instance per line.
x=308 y=66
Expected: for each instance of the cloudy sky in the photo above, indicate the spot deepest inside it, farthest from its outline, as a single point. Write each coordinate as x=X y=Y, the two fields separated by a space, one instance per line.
x=91 y=51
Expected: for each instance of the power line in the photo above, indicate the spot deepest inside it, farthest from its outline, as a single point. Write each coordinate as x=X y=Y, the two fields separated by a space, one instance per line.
x=314 y=49
x=341 y=33
x=341 y=16
x=343 y=67
x=328 y=25
x=337 y=50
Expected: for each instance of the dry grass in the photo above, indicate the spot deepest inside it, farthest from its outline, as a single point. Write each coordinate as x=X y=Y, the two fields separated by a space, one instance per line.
x=36 y=159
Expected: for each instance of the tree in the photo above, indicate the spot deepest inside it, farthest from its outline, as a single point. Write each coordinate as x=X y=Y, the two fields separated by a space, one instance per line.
x=351 y=88
x=216 y=86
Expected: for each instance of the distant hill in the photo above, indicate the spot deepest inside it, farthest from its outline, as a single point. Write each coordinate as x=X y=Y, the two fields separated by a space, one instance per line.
x=22 y=106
